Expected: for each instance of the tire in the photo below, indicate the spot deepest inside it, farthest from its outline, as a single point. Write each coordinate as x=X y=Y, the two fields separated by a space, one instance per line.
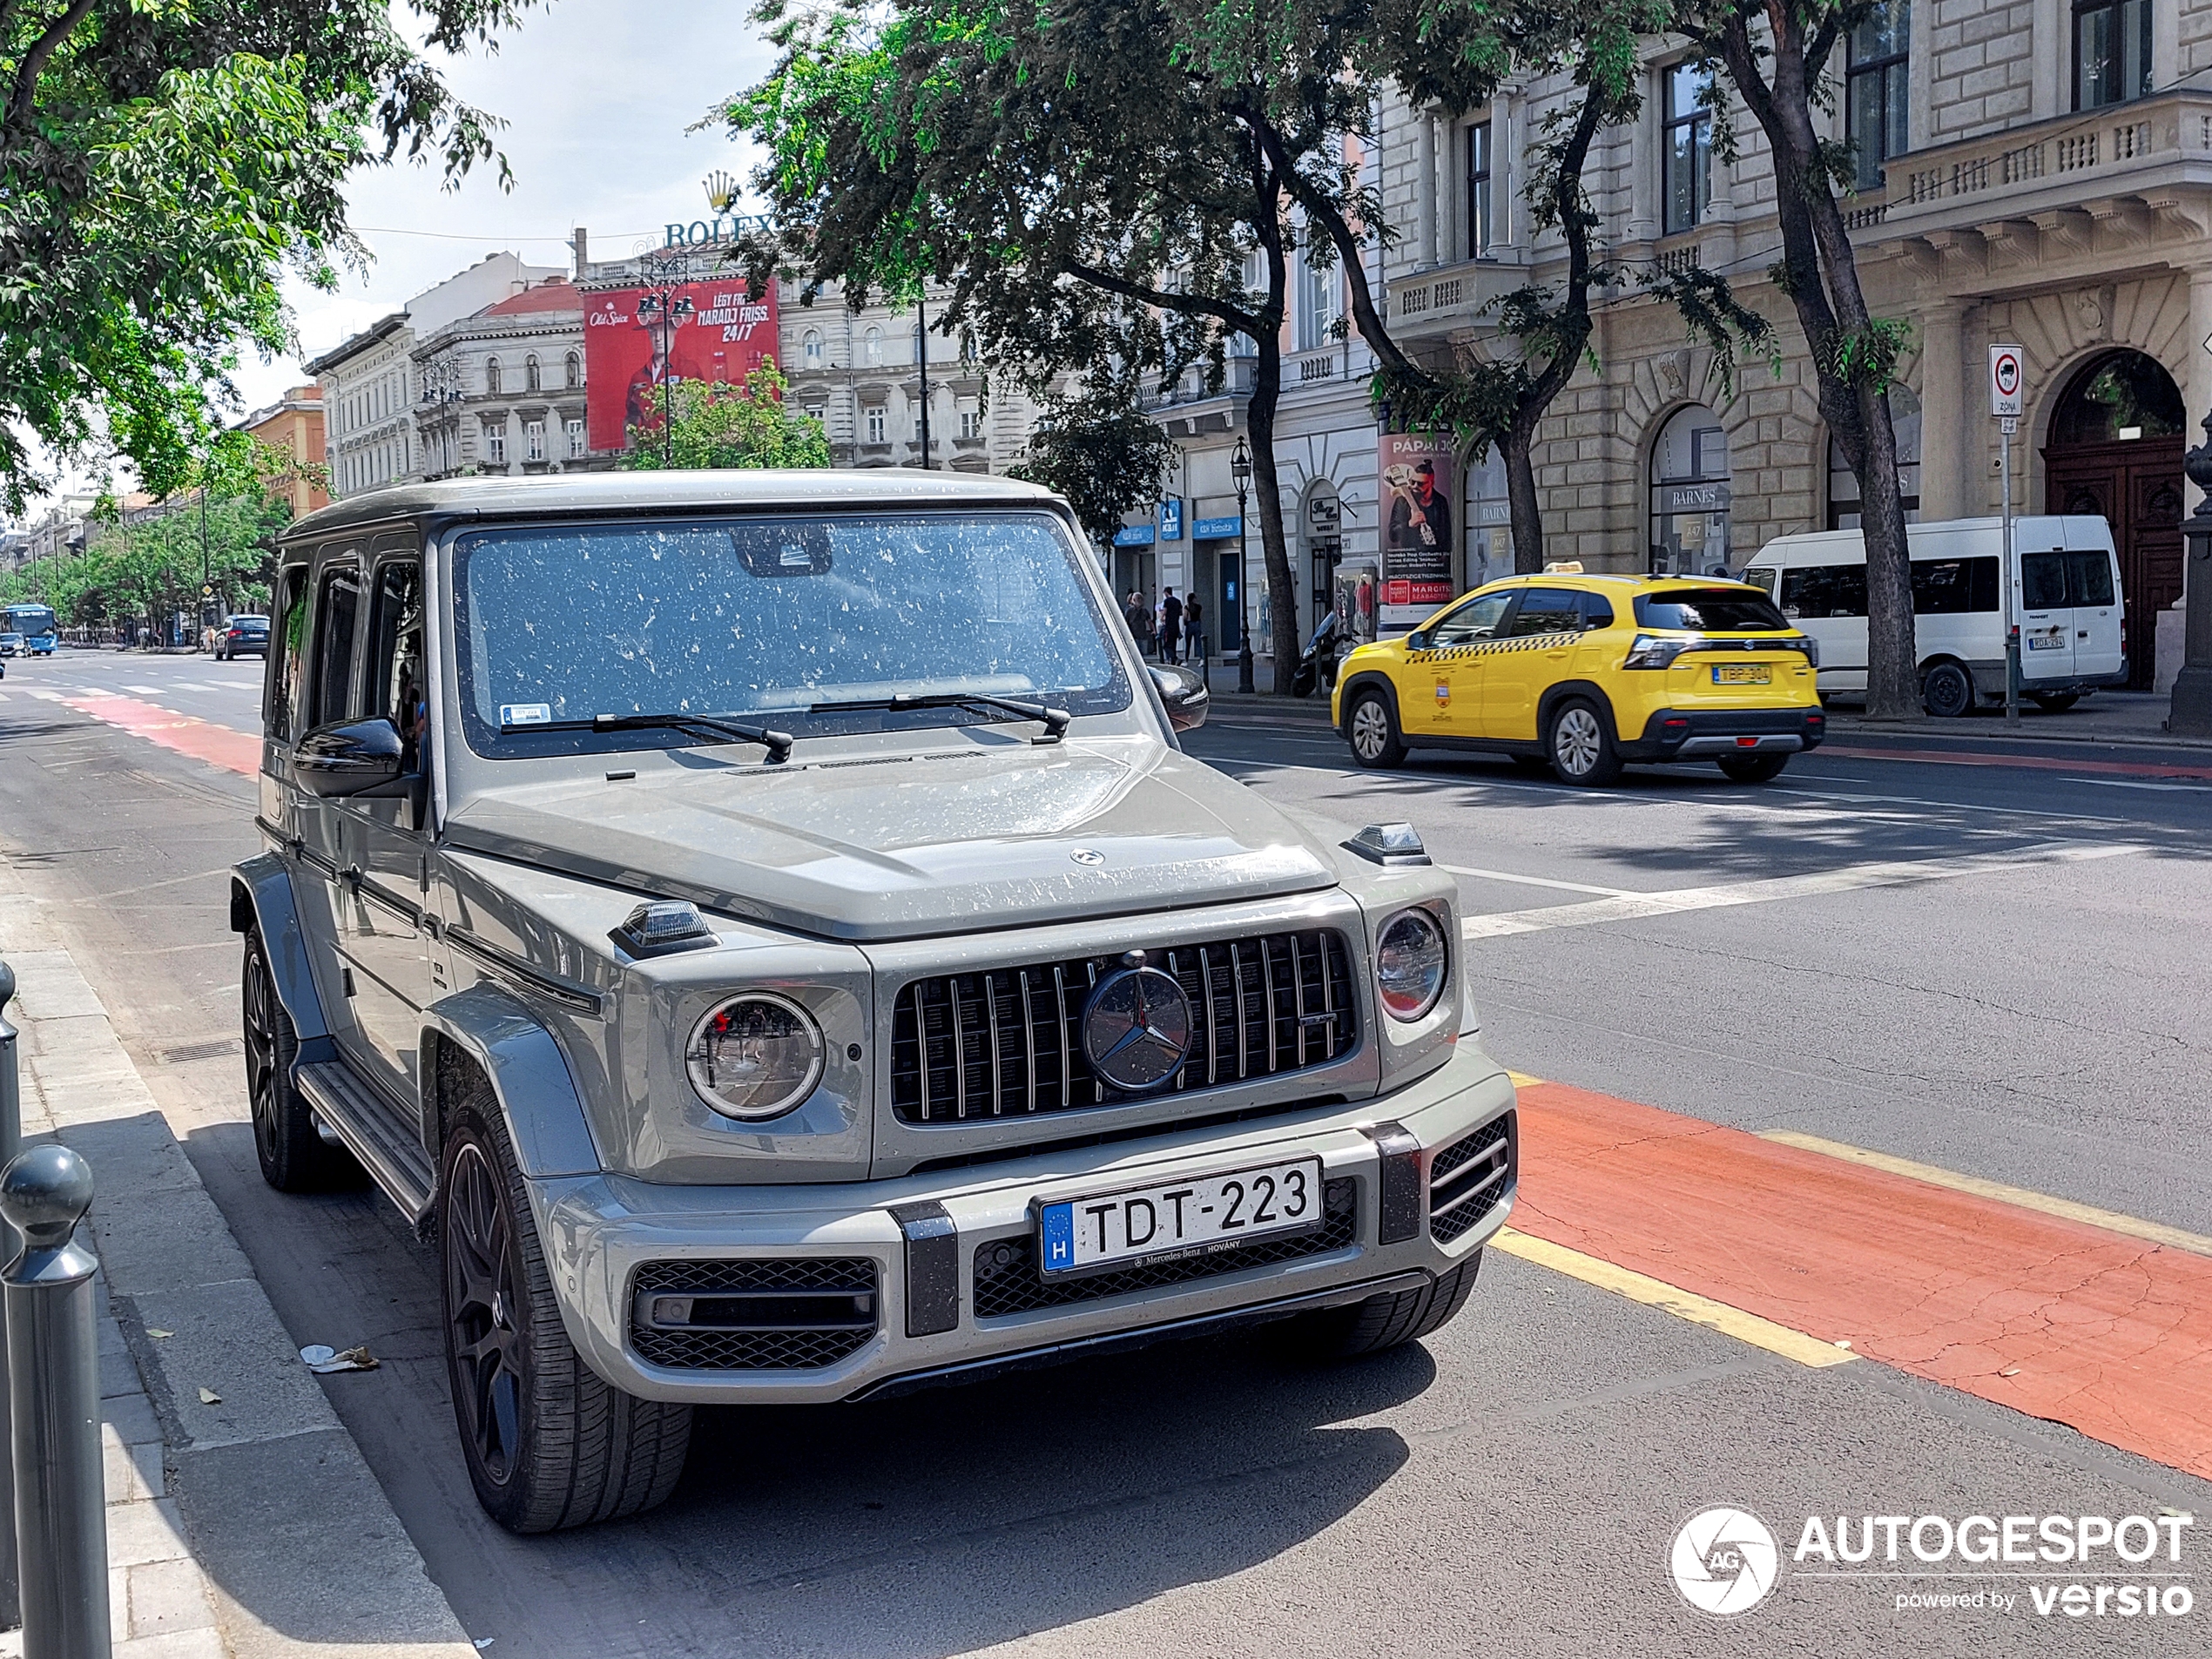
x=1947 y=692
x=293 y=1155
x=549 y=1444
x=2055 y=702
x=1754 y=769
x=1372 y=730
x=1386 y=1321
x=1580 y=745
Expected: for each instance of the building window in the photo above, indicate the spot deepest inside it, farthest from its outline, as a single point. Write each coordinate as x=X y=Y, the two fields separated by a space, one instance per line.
x=872 y=348
x=1686 y=148
x=530 y=380
x=813 y=353
x=1843 y=484
x=572 y=370
x=1689 y=495
x=1878 y=91
x=533 y=440
x=875 y=423
x=1480 y=226
x=2110 y=51
x=971 y=423
x=1316 y=303
x=575 y=439
x=491 y=375
x=495 y=445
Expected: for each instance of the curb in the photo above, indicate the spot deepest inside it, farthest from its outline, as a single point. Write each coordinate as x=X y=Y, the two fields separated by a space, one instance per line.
x=298 y=1551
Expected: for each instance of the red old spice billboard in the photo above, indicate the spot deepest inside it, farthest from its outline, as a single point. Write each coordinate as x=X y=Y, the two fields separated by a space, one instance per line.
x=725 y=337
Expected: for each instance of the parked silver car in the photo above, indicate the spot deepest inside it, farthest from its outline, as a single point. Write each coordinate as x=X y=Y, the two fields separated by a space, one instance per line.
x=764 y=928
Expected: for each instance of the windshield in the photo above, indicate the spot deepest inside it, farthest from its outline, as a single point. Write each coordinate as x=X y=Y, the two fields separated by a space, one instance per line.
x=30 y=620
x=1708 y=609
x=762 y=619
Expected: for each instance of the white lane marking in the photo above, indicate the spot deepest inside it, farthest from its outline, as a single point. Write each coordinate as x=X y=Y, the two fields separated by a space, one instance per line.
x=2122 y=783
x=1895 y=872
x=1538 y=881
x=47 y=697
x=145 y=691
x=1944 y=806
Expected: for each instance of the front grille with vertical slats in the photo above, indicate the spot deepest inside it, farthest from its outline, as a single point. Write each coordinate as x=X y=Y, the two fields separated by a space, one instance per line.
x=1468 y=1178
x=1008 y=1042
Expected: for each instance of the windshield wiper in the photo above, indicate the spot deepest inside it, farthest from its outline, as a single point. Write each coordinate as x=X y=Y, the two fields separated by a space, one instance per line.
x=778 y=744
x=1055 y=721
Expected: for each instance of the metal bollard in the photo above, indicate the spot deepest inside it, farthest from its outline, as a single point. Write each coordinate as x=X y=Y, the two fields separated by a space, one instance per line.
x=53 y=1374
x=10 y=1143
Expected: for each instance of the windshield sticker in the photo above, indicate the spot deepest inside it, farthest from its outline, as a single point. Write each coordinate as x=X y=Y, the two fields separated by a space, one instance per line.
x=525 y=713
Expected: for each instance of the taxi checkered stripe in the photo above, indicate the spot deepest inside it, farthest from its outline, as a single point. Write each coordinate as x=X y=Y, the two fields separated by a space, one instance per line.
x=1496 y=647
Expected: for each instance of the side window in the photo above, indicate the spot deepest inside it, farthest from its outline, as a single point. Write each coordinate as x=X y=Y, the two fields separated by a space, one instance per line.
x=393 y=686
x=2042 y=581
x=1825 y=591
x=1476 y=619
x=337 y=622
x=288 y=652
x=1549 y=611
x=1596 y=612
x=1953 y=587
x=2089 y=578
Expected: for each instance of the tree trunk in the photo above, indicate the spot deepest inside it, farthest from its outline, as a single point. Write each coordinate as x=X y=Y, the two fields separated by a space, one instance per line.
x=1259 y=422
x=1527 y=512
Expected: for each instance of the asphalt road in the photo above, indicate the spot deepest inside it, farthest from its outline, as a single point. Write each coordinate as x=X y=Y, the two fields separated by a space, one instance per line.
x=2039 y=1020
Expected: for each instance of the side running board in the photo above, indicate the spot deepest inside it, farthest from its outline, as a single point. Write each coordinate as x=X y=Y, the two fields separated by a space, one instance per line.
x=385 y=1142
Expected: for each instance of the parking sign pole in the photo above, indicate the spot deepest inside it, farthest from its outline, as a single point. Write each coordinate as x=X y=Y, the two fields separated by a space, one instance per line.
x=2006 y=371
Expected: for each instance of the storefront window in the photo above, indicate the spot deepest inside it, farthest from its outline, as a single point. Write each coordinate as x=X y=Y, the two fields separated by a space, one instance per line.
x=1843 y=484
x=1689 y=495
x=1489 y=522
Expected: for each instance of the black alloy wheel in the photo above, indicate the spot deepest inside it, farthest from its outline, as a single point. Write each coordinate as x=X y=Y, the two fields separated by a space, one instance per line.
x=293 y=1155
x=480 y=1313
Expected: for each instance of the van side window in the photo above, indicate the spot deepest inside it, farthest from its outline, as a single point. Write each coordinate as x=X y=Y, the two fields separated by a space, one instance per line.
x=1825 y=591
x=394 y=683
x=287 y=651
x=1953 y=587
x=337 y=622
x=2088 y=577
x=2042 y=581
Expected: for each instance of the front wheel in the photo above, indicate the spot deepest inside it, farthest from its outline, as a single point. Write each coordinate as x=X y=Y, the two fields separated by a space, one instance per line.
x=1374 y=729
x=1581 y=748
x=549 y=1443
x=1385 y=1321
x=1754 y=769
x=1947 y=692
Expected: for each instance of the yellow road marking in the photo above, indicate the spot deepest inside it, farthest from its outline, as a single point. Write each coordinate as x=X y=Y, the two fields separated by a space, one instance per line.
x=1683 y=1305
x=2065 y=1209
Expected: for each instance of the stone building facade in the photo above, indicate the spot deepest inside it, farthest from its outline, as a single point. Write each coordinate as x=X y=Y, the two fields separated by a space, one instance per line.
x=2032 y=172
x=502 y=389
x=293 y=424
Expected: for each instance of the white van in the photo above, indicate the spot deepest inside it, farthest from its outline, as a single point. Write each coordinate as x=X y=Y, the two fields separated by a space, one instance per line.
x=2072 y=632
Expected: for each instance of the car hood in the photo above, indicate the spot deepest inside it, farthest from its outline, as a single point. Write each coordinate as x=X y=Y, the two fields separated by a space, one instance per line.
x=909 y=845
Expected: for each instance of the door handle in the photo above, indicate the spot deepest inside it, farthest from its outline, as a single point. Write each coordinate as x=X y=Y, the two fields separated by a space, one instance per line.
x=2084 y=634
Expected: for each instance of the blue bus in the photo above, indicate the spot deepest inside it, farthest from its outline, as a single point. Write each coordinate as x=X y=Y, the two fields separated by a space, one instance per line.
x=35 y=623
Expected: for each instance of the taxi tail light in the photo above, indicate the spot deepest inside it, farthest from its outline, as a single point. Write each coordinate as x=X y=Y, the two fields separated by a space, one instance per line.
x=1651 y=651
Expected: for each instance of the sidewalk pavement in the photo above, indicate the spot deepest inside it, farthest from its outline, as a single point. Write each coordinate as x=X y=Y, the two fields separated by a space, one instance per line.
x=242 y=1522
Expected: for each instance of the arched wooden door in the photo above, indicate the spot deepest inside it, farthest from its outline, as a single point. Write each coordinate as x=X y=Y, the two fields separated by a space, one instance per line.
x=2115 y=451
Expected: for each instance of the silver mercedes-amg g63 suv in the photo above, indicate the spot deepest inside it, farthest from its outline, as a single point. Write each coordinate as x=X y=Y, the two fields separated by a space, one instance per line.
x=765 y=929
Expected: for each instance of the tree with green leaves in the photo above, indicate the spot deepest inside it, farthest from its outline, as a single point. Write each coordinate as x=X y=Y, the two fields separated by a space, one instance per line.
x=162 y=163
x=1101 y=448
x=715 y=424
x=1781 y=57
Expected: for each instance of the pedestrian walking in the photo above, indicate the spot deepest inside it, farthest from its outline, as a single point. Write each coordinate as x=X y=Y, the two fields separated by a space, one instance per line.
x=1194 y=633
x=1170 y=626
x=1139 y=616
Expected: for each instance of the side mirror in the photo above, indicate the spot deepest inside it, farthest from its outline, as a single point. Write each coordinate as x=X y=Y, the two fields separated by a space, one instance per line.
x=1184 y=693
x=1417 y=640
x=348 y=758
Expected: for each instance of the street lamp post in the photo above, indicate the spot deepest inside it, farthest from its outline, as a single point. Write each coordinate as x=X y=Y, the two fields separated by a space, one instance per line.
x=921 y=354
x=1240 y=468
x=665 y=305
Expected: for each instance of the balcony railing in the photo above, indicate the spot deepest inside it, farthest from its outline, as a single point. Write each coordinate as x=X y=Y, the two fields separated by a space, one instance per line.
x=1451 y=296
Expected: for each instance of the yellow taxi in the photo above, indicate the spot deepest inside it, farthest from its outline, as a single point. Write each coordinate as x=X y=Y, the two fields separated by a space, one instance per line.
x=1584 y=673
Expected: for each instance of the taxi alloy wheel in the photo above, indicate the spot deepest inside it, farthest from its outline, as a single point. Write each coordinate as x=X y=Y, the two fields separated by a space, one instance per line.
x=1375 y=741
x=1581 y=751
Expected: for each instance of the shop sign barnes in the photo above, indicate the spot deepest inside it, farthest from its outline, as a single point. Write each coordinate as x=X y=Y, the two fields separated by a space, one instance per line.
x=1694 y=498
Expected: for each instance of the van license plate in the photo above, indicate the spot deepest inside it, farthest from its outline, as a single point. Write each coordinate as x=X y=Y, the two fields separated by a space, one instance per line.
x=2041 y=642
x=1175 y=1219
x=1742 y=674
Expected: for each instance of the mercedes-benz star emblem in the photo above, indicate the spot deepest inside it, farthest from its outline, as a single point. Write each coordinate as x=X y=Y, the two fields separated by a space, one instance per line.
x=1136 y=1028
x=1086 y=856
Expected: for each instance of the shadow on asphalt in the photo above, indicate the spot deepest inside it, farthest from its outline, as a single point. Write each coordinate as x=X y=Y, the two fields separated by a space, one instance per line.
x=923 y=1526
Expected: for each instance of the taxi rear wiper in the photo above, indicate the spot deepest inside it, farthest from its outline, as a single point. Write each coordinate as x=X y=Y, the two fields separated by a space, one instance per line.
x=1055 y=721
x=778 y=744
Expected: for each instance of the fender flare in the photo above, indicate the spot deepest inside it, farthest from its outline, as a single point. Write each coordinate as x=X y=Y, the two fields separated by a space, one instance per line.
x=529 y=1078
x=261 y=895
x=1588 y=691
x=1359 y=682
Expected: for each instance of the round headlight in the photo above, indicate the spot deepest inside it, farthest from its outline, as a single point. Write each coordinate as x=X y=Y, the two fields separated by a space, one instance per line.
x=756 y=1056
x=1409 y=964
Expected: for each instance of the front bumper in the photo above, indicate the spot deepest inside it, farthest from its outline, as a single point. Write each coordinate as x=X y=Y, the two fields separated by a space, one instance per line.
x=600 y=1231
x=1706 y=734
